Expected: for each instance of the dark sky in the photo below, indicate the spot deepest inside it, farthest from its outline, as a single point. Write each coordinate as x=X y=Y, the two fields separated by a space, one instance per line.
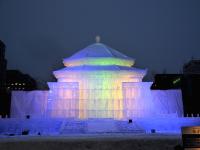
x=159 y=34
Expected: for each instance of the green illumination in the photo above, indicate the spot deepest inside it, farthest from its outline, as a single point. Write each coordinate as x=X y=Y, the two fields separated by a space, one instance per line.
x=102 y=61
x=99 y=75
x=103 y=95
x=176 y=81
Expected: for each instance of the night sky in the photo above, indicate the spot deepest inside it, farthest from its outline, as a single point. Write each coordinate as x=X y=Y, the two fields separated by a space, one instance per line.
x=161 y=35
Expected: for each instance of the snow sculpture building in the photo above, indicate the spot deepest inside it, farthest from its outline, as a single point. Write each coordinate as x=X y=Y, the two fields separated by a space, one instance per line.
x=100 y=82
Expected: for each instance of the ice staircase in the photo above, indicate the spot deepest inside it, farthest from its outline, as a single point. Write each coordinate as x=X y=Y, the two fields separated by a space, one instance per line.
x=126 y=127
x=99 y=126
x=102 y=126
x=73 y=126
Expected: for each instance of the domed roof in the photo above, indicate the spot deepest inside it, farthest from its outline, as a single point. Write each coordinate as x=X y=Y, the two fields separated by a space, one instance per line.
x=97 y=59
x=65 y=72
x=98 y=54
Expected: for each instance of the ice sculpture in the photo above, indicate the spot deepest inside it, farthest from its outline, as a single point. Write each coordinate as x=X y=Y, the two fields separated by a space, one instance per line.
x=100 y=82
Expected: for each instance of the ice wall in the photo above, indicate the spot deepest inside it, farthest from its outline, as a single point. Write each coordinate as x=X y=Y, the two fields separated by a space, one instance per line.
x=31 y=103
x=141 y=101
x=63 y=100
x=68 y=101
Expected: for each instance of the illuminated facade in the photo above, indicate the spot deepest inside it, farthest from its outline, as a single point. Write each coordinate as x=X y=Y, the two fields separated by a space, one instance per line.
x=100 y=82
x=90 y=85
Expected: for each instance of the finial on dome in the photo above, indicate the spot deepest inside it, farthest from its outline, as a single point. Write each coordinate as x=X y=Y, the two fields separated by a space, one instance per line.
x=98 y=39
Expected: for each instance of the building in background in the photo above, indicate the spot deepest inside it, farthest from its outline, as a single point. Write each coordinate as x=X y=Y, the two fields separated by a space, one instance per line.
x=17 y=81
x=3 y=64
x=192 y=67
x=191 y=87
x=188 y=82
x=4 y=96
x=167 y=81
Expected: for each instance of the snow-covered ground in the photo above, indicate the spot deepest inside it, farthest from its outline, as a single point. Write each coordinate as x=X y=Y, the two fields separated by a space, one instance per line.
x=45 y=134
x=107 y=141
